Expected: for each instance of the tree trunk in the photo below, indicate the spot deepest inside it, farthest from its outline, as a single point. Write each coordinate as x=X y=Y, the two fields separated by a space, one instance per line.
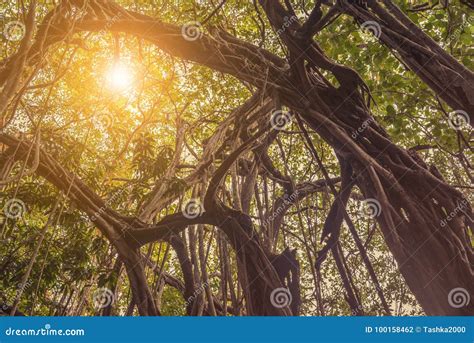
x=424 y=221
x=448 y=78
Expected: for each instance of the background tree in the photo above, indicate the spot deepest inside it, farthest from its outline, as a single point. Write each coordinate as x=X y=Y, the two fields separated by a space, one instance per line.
x=239 y=158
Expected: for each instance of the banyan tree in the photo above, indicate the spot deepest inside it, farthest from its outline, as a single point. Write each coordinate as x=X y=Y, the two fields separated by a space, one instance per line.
x=236 y=157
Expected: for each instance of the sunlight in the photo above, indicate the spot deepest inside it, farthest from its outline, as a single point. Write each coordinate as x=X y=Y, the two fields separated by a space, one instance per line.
x=119 y=77
x=229 y=159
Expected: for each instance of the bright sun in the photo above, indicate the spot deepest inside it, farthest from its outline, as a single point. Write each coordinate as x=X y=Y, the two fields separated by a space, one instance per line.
x=119 y=77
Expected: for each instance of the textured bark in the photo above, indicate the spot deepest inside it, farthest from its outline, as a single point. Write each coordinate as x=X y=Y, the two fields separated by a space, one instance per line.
x=414 y=201
x=431 y=246
x=446 y=76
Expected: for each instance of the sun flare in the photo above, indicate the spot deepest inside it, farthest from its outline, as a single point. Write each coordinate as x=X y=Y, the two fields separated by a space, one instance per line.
x=271 y=158
x=119 y=77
